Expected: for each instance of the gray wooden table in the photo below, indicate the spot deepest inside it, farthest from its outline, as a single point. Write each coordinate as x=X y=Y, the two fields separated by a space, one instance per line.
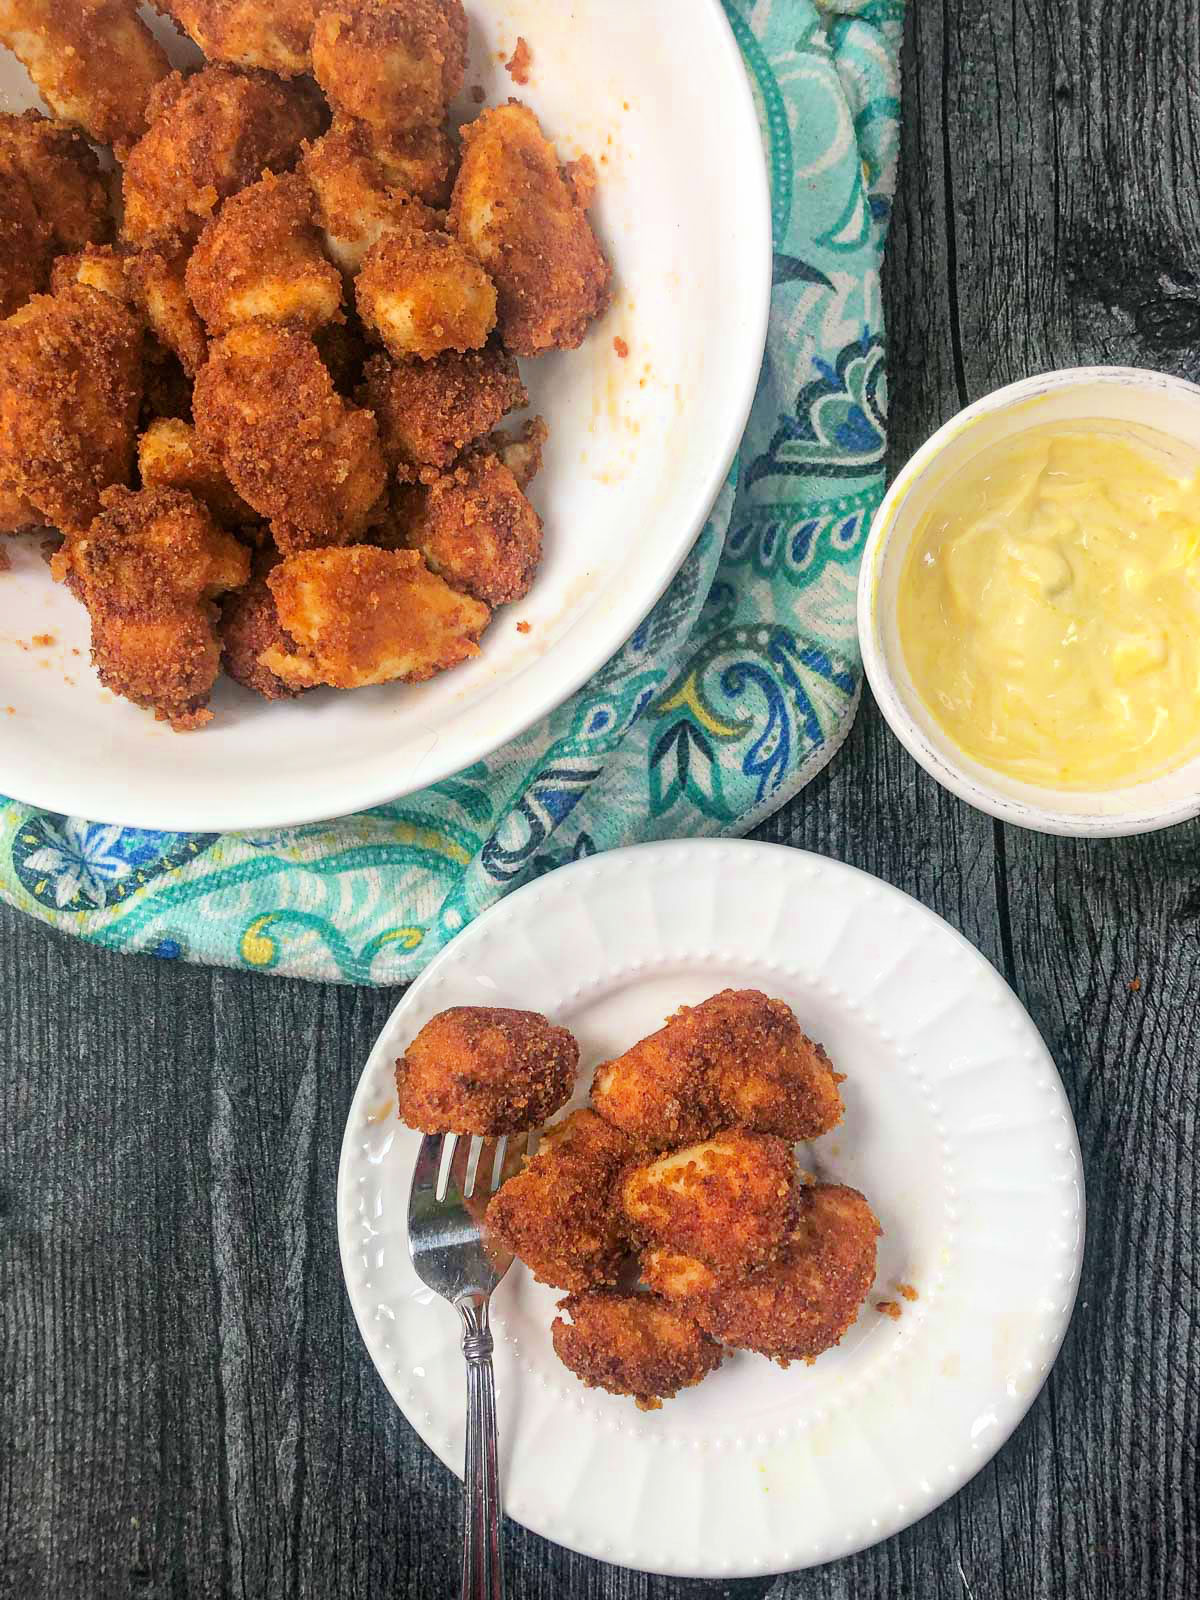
x=185 y=1406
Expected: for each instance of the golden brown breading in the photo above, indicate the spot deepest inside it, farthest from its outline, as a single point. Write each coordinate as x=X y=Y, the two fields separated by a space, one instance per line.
x=559 y=1213
x=260 y=258
x=485 y=1069
x=249 y=627
x=172 y=455
x=429 y=411
x=521 y=451
x=70 y=386
x=361 y=615
x=632 y=1344
x=156 y=279
x=148 y=570
x=290 y=445
x=730 y=1202
x=63 y=175
x=474 y=526
x=210 y=135
x=516 y=212
x=355 y=204
x=16 y=515
x=273 y=34
x=94 y=62
x=803 y=1302
x=738 y=1059
x=99 y=266
x=421 y=162
x=26 y=244
x=394 y=63
x=422 y=294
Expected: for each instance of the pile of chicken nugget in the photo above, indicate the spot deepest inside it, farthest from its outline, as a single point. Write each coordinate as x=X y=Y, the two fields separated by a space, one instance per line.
x=671 y=1209
x=253 y=378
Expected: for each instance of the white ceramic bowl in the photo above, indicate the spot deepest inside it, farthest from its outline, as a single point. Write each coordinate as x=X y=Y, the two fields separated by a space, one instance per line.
x=639 y=448
x=1120 y=394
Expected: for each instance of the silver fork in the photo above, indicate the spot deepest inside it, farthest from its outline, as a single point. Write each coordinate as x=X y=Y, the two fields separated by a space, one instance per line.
x=453 y=1259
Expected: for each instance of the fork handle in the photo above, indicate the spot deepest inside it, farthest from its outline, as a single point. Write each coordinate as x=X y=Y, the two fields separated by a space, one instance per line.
x=483 y=1571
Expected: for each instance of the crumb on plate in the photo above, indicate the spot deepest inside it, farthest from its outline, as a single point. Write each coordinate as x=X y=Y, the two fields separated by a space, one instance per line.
x=620 y=346
x=888 y=1308
x=517 y=65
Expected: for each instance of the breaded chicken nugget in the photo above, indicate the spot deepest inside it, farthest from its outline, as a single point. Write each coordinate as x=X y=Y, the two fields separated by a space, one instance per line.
x=273 y=34
x=260 y=258
x=394 y=63
x=93 y=61
x=422 y=294
x=26 y=243
x=156 y=278
x=559 y=1213
x=249 y=627
x=63 y=175
x=515 y=211
x=290 y=445
x=172 y=455
x=803 y=1302
x=485 y=1069
x=632 y=1344
x=355 y=204
x=474 y=526
x=148 y=570
x=730 y=1202
x=70 y=386
x=361 y=616
x=99 y=266
x=429 y=411
x=738 y=1059
x=209 y=136
x=421 y=162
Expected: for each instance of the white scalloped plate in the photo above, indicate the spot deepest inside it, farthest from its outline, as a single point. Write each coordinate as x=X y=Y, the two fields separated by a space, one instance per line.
x=957 y=1130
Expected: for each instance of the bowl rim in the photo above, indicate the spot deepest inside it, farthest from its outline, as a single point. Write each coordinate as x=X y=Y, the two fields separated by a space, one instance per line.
x=958 y=773
x=578 y=660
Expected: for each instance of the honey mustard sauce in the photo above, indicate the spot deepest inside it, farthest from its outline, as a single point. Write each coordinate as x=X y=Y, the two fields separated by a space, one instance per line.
x=1049 y=606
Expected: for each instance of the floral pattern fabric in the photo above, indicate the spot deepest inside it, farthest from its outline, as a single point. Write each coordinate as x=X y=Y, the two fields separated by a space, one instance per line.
x=739 y=685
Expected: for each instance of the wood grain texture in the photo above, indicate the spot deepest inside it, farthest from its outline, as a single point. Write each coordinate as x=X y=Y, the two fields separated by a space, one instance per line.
x=185 y=1406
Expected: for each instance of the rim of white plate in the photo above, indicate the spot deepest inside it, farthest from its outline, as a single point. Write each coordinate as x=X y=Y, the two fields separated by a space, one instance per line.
x=724 y=881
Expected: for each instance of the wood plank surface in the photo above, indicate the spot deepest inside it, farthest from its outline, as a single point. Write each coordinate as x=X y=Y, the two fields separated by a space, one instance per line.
x=185 y=1406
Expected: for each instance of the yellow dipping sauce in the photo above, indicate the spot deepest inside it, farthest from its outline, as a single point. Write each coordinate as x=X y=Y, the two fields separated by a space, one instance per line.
x=1049 y=607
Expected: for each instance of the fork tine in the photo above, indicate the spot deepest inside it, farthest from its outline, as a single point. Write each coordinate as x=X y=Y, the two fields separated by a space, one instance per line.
x=456 y=1188
x=428 y=1163
x=449 y=1145
x=472 y=1171
x=496 y=1170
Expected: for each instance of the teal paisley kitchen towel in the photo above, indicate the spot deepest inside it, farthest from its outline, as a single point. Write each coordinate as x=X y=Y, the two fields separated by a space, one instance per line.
x=736 y=689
